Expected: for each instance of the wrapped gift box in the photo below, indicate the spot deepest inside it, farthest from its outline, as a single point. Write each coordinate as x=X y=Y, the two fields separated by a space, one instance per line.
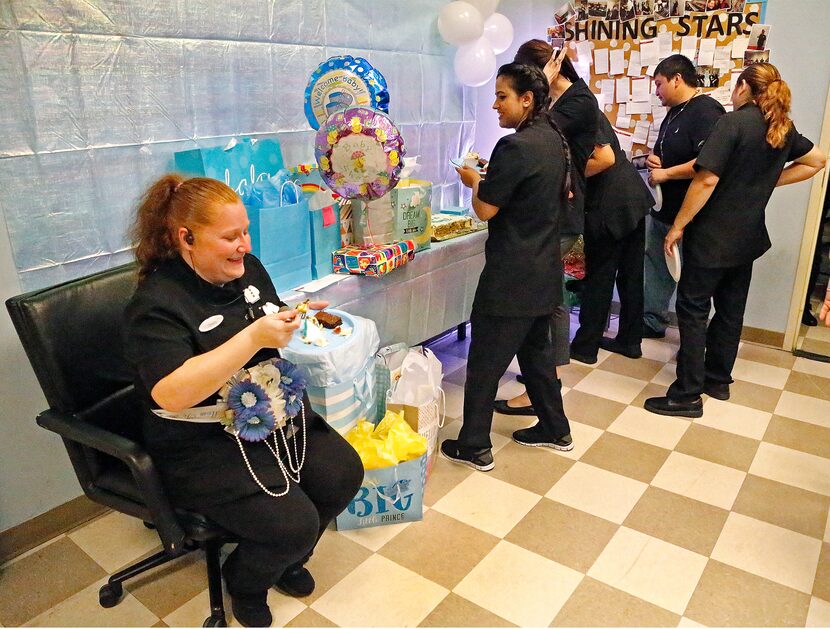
x=373 y=260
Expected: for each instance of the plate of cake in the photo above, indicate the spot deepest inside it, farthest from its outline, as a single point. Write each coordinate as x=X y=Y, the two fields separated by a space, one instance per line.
x=471 y=160
x=322 y=330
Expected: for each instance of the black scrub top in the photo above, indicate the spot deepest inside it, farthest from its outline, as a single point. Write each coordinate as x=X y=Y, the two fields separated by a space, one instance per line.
x=730 y=230
x=617 y=198
x=200 y=464
x=522 y=273
x=682 y=134
x=575 y=111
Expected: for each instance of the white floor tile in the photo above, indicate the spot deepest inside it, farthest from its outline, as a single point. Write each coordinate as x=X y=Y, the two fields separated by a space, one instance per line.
x=583 y=437
x=792 y=467
x=760 y=373
x=115 y=540
x=813 y=367
x=660 y=350
x=804 y=408
x=659 y=430
x=688 y=622
x=666 y=376
x=611 y=386
x=695 y=478
x=734 y=418
x=375 y=537
x=819 y=614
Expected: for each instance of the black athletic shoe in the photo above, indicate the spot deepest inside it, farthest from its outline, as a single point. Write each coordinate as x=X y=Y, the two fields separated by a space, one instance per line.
x=502 y=407
x=536 y=437
x=612 y=345
x=668 y=406
x=478 y=458
x=648 y=333
x=296 y=581
x=717 y=390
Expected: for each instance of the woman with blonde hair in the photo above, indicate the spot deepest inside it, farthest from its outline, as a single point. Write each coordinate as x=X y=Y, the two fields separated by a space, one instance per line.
x=722 y=225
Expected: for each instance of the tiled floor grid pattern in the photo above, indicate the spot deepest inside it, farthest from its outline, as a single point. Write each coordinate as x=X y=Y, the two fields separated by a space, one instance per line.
x=649 y=521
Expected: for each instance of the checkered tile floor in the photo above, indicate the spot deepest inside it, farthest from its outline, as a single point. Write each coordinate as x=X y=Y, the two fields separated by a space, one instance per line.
x=720 y=521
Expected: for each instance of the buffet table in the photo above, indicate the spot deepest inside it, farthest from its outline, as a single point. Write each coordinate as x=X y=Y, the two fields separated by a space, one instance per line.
x=429 y=295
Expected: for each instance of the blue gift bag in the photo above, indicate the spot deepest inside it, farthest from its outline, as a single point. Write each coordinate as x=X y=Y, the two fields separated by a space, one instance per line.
x=389 y=495
x=240 y=165
x=325 y=238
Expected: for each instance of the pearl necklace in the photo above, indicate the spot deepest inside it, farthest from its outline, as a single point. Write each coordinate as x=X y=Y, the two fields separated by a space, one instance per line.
x=294 y=467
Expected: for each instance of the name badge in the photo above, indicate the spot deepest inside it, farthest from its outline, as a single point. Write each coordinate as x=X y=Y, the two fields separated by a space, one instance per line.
x=211 y=322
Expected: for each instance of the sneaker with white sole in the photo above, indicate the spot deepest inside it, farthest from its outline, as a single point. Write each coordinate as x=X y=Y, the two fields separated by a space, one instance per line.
x=478 y=458
x=536 y=438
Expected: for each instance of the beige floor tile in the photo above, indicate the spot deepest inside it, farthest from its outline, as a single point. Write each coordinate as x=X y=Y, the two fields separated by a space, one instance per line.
x=681 y=521
x=792 y=467
x=457 y=611
x=819 y=614
x=642 y=368
x=82 y=610
x=568 y=536
x=666 y=375
x=487 y=503
x=380 y=593
x=658 y=430
x=729 y=597
x=688 y=622
x=520 y=586
x=819 y=333
x=595 y=604
x=650 y=390
x=821 y=584
x=611 y=386
x=423 y=548
x=649 y=568
x=529 y=468
x=454 y=400
x=827 y=529
x=168 y=587
x=718 y=446
x=755 y=396
x=804 y=408
x=766 y=355
x=814 y=367
x=375 y=537
x=734 y=418
x=591 y=410
x=193 y=613
x=808 y=384
x=760 y=373
x=334 y=557
x=583 y=437
x=572 y=373
x=783 y=505
x=628 y=457
x=658 y=350
x=769 y=551
x=816 y=347
x=597 y=491
x=33 y=584
x=445 y=476
x=310 y=618
x=698 y=479
x=115 y=540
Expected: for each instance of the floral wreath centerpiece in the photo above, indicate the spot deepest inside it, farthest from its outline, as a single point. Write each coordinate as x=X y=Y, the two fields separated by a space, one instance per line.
x=261 y=402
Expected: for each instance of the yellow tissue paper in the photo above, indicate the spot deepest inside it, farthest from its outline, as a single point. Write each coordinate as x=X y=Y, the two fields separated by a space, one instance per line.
x=393 y=441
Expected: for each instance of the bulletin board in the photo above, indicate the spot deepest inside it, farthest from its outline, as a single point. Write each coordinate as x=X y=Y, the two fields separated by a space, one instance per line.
x=719 y=42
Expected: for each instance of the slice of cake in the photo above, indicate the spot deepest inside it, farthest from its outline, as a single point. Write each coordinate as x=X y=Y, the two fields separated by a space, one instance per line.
x=328 y=320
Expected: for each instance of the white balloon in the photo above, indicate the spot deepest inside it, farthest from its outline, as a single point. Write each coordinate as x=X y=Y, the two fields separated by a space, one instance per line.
x=460 y=23
x=485 y=7
x=499 y=32
x=475 y=63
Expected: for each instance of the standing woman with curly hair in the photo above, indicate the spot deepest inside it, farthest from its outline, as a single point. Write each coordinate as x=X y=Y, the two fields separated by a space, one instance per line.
x=523 y=198
x=722 y=225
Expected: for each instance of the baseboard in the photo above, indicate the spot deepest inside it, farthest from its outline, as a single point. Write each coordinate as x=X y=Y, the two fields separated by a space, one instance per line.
x=32 y=533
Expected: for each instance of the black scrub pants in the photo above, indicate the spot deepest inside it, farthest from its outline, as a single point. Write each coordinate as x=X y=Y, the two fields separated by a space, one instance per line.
x=707 y=353
x=494 y=342
x=607 y=261
x=277 y=533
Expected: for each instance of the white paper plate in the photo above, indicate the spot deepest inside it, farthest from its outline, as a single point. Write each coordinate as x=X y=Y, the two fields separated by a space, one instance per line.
x=458 y=162
x=657 y=193
x=673 y=262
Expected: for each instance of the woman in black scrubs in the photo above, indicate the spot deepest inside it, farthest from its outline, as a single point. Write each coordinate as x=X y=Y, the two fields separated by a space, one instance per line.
x=574 y=109
x=722 y=225
x=520 y=287
x=203 y=309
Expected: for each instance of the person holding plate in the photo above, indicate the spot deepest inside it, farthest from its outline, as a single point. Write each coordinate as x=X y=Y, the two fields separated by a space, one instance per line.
x=522 y=198
x=722 y=224
x=204 y=309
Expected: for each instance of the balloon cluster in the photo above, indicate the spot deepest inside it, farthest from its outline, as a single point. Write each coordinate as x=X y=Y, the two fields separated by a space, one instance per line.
x=480 y=35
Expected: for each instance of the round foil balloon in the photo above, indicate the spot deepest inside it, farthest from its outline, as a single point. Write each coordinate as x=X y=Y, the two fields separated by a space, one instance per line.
x=360 y=153
x=342 y=82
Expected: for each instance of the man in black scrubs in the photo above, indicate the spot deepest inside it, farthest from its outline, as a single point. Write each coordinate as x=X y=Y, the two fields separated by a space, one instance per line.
x=737 y=169
x=671 y=165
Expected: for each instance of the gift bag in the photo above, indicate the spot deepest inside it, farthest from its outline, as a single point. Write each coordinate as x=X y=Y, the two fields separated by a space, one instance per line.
x=343 y=405
x=388 y=363
x=403 y=213
x=325 y=231
x=240 y=164
x=280 y=230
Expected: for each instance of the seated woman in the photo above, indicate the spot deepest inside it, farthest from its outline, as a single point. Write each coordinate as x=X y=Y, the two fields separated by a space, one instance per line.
x=204 y=308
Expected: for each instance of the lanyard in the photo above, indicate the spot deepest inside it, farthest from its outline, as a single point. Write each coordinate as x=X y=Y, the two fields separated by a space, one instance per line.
x=670 y=120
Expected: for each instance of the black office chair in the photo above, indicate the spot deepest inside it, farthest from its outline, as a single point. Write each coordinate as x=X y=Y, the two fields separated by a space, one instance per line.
x=73 y=336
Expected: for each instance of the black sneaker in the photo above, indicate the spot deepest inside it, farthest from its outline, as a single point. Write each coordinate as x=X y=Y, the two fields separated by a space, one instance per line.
x=613 y=345
x=478 y=458
x=583 y=358
x=717 y=390
x=296 y=581
x=535 y=437
x=674 y=408
x=251 y=610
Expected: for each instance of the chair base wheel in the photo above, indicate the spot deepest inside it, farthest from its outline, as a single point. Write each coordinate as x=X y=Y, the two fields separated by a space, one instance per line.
x=110 y=594
x=211 y=621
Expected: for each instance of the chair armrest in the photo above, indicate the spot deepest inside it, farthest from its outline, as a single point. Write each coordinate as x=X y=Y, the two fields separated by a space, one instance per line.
x=137 y=460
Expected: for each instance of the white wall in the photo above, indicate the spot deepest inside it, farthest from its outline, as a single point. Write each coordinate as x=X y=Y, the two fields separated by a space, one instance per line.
x=799 y=48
